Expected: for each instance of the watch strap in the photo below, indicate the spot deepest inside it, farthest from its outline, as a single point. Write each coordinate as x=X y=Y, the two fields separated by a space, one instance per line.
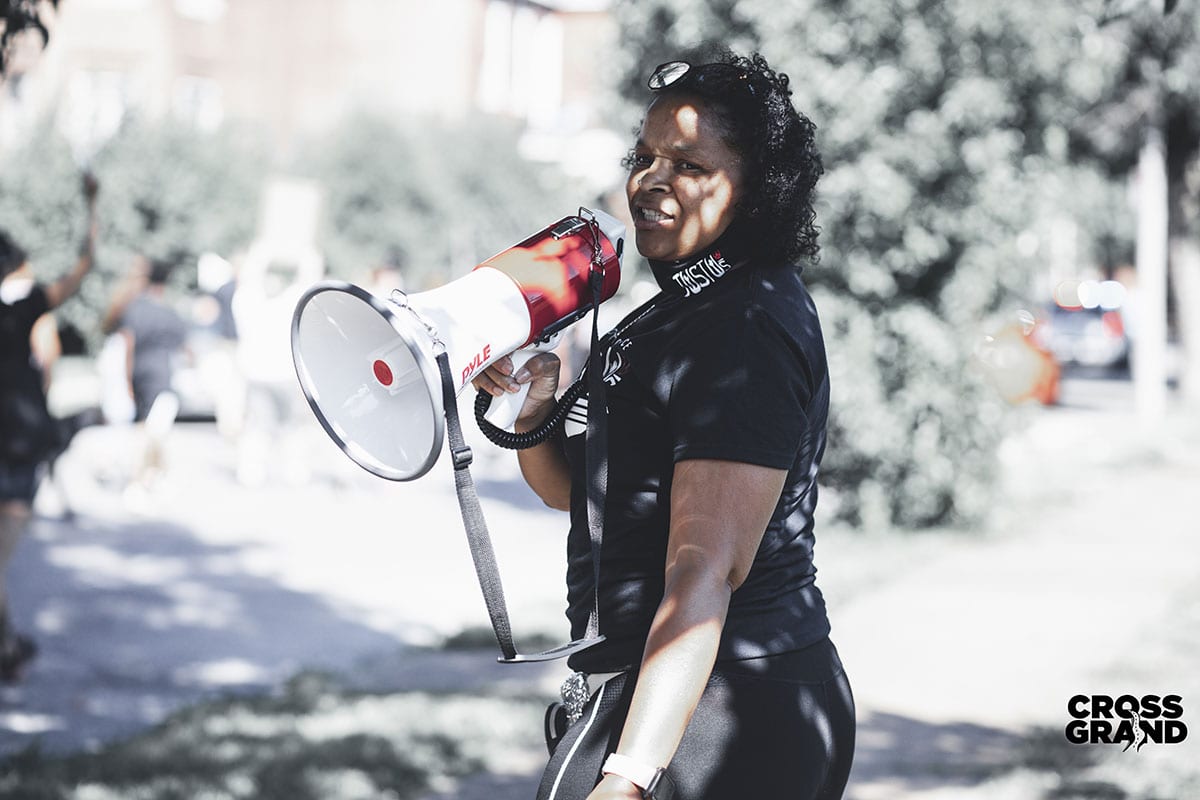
x=653 y=781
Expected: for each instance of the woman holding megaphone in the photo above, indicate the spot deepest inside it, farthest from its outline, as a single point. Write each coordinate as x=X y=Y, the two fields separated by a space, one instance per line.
x=716 y=677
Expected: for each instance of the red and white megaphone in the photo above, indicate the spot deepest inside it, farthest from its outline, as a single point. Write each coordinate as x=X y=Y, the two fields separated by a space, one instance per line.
x=367 y=364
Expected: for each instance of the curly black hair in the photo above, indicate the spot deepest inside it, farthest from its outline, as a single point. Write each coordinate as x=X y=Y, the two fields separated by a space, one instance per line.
x=777 y=143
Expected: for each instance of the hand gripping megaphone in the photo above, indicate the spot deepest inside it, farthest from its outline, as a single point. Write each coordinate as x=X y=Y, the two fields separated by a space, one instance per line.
x=367 y=364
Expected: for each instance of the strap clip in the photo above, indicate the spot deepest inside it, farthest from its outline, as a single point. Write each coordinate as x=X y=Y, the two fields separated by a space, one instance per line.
x=462 y=457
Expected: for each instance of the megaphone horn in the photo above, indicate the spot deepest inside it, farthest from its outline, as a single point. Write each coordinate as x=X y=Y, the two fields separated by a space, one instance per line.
x=367 y=364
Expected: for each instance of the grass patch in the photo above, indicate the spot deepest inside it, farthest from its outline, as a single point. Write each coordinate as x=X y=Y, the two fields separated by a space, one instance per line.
x=1047 y=750
x=313 y=740
x=1048 y=767
x=482 y=638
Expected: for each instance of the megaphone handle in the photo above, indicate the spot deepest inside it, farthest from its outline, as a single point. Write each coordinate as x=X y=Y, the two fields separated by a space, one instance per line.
x=504 y=410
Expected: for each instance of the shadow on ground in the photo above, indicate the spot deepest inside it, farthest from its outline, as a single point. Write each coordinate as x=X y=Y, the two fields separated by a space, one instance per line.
x=898 y=755
x=134 y=620
x=916 y=754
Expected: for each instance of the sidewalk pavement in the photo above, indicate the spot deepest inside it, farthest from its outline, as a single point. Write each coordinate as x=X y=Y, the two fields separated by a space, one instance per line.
x=142 y=604
x=957 y=645
x=1086 y=584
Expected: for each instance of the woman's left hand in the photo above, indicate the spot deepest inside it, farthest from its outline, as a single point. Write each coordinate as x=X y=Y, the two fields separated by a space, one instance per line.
x=615 y=788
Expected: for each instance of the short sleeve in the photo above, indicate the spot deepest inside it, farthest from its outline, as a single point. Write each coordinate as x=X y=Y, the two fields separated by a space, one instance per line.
x=28 y=308
x=739 y=389
x=39 y=301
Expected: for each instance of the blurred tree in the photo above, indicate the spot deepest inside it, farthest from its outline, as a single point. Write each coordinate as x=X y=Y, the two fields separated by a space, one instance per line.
x=175 y=192
x=942 y=127
x=431 y=197
x=167 y=191
x=1148 y=84
x=17 y=16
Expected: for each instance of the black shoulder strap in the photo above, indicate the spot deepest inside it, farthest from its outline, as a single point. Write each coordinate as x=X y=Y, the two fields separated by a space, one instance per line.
x=482 y=552
x=596 y=457
x=596 y=453
x=478 y=538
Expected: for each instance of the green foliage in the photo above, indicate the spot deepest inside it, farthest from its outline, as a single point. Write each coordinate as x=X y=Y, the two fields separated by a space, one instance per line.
x=1144 y=67
x=41 y=202
x=42 y=208
x=902 y=450
x=943 y=130
x=175 y=193
x=431 y=197
x=166 y=192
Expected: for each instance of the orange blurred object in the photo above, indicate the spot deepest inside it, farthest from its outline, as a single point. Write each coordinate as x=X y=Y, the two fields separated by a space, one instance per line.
x=1020 y=368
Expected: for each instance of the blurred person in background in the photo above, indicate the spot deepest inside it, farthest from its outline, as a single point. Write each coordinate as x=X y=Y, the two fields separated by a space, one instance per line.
x=217 y=280
x=116 y=395
x=28 y=433
x=154 y=335
x=717 y=674
x=46 y=346
x=269 y=285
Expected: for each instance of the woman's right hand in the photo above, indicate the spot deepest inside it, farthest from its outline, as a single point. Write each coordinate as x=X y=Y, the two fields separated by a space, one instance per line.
x=540 y=372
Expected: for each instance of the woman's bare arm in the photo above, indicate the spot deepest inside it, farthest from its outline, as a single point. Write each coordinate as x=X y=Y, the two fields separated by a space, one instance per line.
x=58 y=292
x=719 y=510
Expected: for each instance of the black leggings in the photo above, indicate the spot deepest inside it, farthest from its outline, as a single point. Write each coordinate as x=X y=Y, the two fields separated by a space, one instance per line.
x=774 y=728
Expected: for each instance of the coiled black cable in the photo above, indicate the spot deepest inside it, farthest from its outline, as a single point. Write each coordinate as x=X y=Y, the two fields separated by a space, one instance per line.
x=523 y=441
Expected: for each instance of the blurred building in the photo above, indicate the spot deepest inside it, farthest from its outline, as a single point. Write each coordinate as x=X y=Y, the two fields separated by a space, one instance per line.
x=294 y=67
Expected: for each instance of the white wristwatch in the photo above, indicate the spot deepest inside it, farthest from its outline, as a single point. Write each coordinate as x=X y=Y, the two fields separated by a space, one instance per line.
x=653 y=781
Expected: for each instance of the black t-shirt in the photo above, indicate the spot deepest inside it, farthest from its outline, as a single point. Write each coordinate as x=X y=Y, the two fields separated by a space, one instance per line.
x=726 y=362
x=24 y=420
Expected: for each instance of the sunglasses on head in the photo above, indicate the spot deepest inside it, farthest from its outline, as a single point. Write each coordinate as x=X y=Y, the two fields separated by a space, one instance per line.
x=682 y=72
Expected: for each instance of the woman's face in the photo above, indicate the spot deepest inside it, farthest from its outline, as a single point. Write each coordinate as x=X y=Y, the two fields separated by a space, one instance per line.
x=684 y=180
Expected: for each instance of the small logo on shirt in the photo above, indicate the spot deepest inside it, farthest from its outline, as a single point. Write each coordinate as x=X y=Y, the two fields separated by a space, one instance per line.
x=616 y=364
x=704 y=273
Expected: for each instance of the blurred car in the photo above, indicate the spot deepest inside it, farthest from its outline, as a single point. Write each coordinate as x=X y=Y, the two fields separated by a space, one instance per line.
x=77 y=383
x=1088 y=337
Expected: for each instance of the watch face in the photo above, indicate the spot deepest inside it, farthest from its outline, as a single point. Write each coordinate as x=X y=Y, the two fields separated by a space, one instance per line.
x=660 y=787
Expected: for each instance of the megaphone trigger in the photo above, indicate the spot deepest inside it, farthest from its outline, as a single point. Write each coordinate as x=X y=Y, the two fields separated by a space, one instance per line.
x=504 y=410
